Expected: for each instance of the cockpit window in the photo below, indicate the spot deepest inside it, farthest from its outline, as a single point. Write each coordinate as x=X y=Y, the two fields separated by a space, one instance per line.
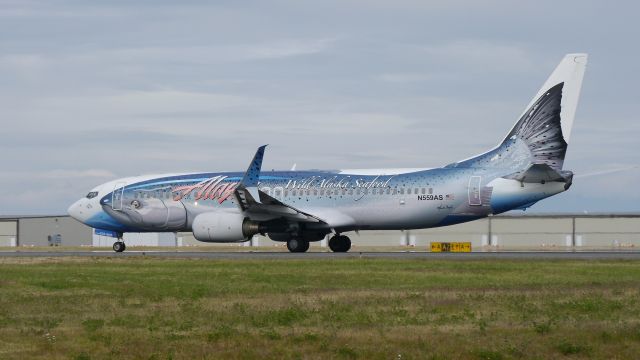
x=92 y=194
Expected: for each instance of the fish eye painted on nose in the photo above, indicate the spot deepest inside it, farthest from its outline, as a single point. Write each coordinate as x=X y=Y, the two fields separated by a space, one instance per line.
x=105 y=200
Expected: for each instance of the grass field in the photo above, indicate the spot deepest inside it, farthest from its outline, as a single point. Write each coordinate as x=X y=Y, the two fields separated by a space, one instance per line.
x=353 y=308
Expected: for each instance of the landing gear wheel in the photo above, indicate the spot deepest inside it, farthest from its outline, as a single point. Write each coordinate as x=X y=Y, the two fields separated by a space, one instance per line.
x=340 y=243
x=119 y=246
x=297 y=245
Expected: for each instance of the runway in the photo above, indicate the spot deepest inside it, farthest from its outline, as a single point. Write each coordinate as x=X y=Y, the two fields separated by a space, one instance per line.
x=513 y=255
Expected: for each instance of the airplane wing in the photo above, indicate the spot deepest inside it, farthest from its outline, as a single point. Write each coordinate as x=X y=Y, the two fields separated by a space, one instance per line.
x=252 y=200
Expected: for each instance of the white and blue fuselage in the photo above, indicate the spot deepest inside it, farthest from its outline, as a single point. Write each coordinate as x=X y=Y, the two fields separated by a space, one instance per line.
x=303 y=206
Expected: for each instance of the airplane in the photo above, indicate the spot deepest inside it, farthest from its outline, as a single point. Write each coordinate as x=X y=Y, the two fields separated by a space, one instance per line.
x=299 y=207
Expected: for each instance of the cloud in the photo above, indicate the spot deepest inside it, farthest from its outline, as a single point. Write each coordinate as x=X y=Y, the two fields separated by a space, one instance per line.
x=46 y=192
x=22 y=61
x=203 y=55
x=69 y=174
x=60 y=174
x=403 y=78
x=211 y=54
x=91 y=92
x=480 y=55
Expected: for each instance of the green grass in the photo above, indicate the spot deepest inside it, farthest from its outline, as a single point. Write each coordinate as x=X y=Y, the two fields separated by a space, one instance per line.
x=345 y=309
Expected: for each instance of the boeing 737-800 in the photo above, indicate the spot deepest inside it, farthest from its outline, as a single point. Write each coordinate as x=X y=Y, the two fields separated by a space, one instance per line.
x=299 y=207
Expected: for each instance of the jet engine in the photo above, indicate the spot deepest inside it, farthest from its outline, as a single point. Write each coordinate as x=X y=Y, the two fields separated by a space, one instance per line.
x=222 y=227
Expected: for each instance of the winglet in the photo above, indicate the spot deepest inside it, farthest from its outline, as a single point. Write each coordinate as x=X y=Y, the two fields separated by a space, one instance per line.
x=250 y=179
x=252 y=175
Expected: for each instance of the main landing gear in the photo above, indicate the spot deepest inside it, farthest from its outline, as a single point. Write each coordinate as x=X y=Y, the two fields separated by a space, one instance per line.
x=119 y=246
x=340 y=243
x=297 y=245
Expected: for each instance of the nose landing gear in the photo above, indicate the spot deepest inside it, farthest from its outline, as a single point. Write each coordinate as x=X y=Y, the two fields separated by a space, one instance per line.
x=119 y=246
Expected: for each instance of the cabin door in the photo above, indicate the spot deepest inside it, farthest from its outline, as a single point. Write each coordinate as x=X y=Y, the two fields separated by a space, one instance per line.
x=474 y=190
x=117 y=196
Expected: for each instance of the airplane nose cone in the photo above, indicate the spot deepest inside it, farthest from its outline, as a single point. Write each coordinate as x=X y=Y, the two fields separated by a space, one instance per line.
x=76 y=211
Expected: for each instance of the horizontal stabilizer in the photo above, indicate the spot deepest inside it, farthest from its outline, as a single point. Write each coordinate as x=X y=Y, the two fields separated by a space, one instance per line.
x=537 y=173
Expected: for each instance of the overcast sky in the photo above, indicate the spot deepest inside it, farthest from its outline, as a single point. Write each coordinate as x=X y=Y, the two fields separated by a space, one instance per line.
x=91 y=91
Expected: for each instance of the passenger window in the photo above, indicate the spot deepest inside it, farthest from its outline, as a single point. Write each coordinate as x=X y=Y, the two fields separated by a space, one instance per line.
x=402 y=191
x=430 y=191
x=424 y=191
x=286 y=193
x=321 y=192
x=278 y=192
x=409 y=191
x=388 y=191
x=294 y=192
x=351 y=192
x=416 y=191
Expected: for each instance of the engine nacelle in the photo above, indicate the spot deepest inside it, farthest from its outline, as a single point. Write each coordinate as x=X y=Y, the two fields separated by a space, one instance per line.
x=223 y=227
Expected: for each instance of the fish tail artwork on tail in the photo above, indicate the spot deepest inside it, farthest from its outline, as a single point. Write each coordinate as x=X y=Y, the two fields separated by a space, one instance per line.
x=545 y=126
x=541 y=135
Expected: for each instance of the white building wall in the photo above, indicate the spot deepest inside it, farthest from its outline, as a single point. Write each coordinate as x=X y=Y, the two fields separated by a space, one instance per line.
x=499 y=232
x=138 y=239
x=8 y=233
x=608 y=232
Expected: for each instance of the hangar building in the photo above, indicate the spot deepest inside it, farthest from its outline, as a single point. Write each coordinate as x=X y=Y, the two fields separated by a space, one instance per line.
x=506 y=232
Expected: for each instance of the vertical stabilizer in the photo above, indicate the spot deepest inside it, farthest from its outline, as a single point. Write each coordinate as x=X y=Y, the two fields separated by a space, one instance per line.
x=542 y=132
x=570 y=73
x=545 y=125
